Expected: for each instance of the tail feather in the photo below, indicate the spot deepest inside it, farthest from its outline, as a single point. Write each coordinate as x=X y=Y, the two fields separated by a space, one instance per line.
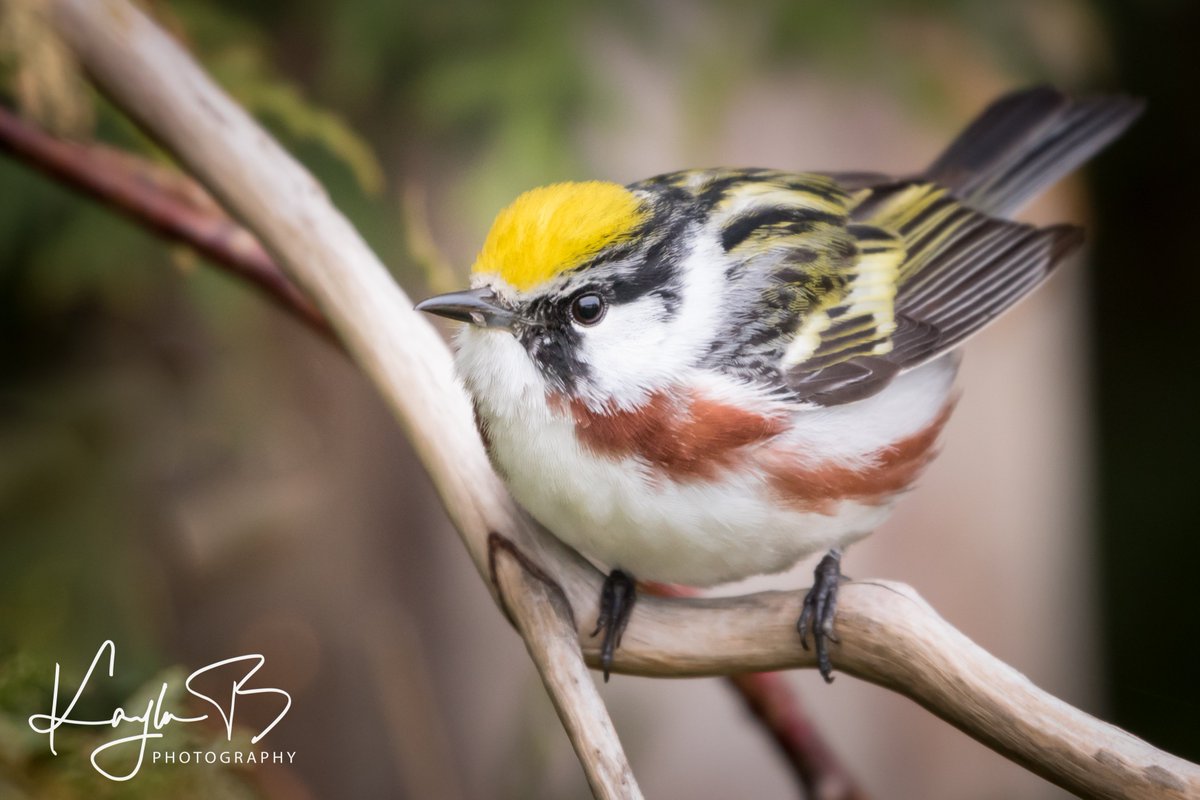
x=1026 y=141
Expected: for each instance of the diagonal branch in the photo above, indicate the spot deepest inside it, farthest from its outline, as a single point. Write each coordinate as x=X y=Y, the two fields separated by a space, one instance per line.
x=542 y=615
x=889 y=635
x=773 y=702
x=151 y=78
x=163 y=200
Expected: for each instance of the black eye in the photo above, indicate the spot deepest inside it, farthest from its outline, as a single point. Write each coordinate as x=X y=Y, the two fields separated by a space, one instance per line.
x=588 y=309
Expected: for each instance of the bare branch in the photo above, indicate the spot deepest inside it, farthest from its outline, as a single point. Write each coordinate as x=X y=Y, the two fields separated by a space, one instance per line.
x=155 y=81
x=779 y=710
x=168 y=203
x=890 y=636
x=544 y=618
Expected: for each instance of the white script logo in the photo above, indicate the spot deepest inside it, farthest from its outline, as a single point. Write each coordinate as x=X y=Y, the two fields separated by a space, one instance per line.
x=155 y=716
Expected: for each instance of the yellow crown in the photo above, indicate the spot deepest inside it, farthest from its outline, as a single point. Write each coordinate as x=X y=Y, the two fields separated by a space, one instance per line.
x=549 y=230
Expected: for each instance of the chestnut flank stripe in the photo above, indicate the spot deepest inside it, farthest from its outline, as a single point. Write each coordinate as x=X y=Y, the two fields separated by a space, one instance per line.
x=686 y=435
x=888 y=471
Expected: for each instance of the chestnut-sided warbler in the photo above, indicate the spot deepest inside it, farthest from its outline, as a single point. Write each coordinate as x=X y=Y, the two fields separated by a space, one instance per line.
x=712 y=374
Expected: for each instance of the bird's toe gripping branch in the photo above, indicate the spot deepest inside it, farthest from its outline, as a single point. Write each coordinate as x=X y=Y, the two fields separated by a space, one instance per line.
x=616 y=604
x=820 y=605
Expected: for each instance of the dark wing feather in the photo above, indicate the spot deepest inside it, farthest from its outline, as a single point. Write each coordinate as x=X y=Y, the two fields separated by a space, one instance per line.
x=1026 y=141
x=959 y=266
x=960 y=270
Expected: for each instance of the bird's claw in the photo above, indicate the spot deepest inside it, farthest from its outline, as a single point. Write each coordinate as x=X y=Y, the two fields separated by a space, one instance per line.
x=616 y=604
x=820 y=606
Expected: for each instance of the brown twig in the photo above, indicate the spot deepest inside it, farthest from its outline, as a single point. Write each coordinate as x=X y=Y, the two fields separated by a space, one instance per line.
x=779 y=709
x=775 y=704
x=167 y=202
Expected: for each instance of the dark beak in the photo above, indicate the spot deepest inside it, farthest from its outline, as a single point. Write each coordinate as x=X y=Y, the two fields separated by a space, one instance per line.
x=478 y=306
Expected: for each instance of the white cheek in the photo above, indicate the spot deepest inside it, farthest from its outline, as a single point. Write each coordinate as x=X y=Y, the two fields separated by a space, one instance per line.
x=632 y=351
x=638 y=347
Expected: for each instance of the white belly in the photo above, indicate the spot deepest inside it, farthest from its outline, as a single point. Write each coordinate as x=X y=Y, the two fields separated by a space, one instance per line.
x=622 y=513
x=697 y=532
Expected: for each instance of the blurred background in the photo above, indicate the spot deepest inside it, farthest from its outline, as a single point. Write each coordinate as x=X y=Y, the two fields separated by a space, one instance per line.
x=189 y=472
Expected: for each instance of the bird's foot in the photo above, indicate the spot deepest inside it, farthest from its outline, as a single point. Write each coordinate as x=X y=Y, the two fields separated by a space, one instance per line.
x=616 y=604
x=819 y=606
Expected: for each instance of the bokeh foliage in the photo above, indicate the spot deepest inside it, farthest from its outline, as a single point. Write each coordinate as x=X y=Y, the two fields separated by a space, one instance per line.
x=101 y=340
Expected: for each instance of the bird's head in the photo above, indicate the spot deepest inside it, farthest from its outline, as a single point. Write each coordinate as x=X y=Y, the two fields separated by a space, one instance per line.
x=583 y=281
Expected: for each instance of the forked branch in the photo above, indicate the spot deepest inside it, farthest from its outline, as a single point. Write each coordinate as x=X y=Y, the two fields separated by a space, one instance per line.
x=890 y=636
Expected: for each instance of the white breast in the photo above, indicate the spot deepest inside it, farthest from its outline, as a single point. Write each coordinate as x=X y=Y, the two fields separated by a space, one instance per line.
x=621 y=513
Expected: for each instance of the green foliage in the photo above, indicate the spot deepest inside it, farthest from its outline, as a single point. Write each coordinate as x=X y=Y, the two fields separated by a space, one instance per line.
x=236 y=54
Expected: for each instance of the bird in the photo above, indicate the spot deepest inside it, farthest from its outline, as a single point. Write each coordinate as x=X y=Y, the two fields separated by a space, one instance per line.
x=715 y=373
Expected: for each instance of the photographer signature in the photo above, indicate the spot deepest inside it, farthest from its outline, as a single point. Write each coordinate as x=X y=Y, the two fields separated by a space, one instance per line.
x=155 y=718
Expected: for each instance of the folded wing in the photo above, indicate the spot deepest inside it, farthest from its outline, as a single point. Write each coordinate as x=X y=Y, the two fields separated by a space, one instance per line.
x=935 y=262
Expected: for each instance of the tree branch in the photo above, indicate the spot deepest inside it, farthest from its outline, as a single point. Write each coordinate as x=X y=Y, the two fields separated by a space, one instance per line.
x=542 y=615
x=893 y=638
x=168 y=203
x=778 y=709
x=773 y=702
x=153 y=79
x=889 y=635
